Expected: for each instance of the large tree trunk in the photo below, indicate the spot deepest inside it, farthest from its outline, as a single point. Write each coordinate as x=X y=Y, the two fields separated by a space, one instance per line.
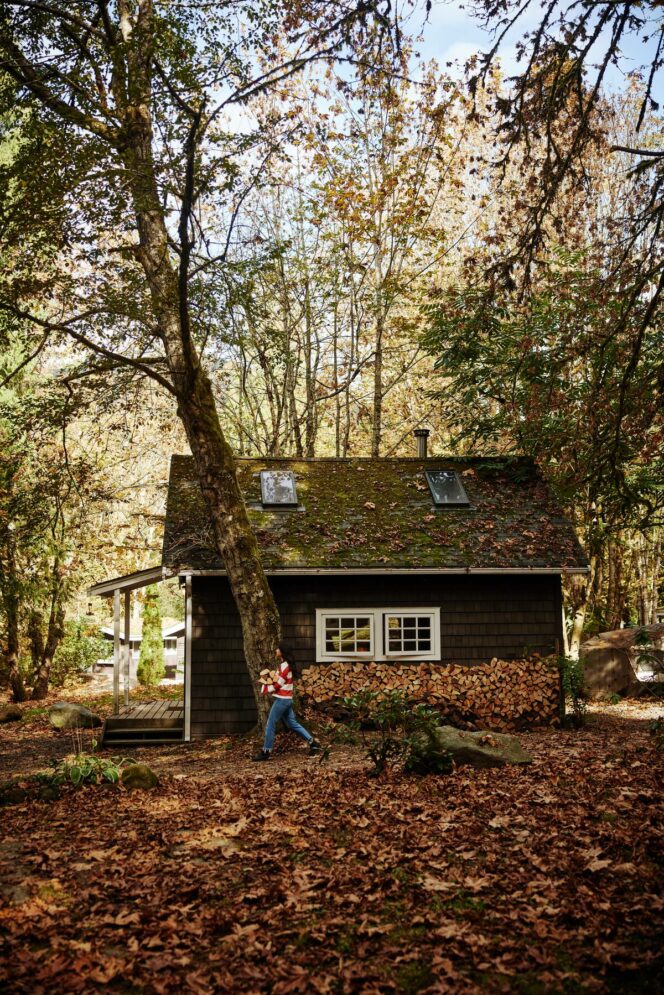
x=10 y=656
x=235 y=540
x=54 y=636
x=197 y=409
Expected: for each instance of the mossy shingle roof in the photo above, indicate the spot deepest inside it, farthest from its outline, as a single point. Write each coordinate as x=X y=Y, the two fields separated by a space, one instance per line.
x=378 y=513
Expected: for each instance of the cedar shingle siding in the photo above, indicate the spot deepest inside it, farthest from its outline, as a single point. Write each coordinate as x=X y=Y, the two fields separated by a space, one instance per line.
x=481 y=617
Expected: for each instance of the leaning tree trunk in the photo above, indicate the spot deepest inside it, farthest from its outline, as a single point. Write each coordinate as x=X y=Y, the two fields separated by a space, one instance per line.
x=214 y=460
x=235 y=540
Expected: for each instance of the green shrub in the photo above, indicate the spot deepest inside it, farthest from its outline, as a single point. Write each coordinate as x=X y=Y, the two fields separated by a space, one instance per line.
x=574 y=688
x=646 y=655
x=80 y=648
x=656 y=729
x=84 y=768
x=151 y=668
x=407 y=732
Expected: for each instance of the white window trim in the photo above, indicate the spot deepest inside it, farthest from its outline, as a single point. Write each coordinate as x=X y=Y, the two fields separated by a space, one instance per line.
x=377 y=624
x=323 y=613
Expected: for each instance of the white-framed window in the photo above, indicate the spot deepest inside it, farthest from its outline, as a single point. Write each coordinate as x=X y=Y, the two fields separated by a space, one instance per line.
x=378 y=634
x=345 y=634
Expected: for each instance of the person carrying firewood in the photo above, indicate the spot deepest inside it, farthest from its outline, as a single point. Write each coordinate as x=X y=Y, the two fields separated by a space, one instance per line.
x=280 y=686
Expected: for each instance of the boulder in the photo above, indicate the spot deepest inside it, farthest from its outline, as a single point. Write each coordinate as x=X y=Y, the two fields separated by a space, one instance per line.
x=9 y=713
x=139 y=776
x=12 y=793
x=481 y=749
x=49 y=793
x=608 y=671
x=611 y=663
x=66 y=715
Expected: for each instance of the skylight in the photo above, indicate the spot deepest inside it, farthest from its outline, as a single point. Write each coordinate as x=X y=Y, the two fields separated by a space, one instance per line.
x=278 y=489
x=446 y=489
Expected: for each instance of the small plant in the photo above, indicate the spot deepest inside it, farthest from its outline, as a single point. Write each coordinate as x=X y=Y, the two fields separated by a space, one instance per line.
x=656 y=729
x=407 y=732
x=646 y=654
x=574 y=688
x=84 y=769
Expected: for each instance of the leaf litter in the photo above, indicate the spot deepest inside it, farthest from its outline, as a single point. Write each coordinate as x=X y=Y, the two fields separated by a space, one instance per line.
x=312 y=877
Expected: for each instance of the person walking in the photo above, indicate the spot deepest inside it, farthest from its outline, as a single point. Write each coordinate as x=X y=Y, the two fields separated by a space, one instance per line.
x=281 y=689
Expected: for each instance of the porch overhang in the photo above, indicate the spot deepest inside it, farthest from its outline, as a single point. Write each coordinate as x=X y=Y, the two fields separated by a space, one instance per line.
x=131 y=582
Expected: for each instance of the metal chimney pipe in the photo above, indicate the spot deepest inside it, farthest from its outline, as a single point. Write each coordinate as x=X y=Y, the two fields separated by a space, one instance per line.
x=421 y=434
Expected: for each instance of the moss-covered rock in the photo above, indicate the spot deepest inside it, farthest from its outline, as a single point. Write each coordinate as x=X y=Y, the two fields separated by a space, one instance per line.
x=139 y=776
x=10 y=713
x=481 y=749
x=12 y=793
x=49 y=793
x=67 y=715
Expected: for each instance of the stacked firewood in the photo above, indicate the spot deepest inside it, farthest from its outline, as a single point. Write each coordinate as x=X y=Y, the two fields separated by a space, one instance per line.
x=504 y=695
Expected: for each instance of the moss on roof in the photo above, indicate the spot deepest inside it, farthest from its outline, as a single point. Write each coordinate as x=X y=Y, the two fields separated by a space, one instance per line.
x=371 y=513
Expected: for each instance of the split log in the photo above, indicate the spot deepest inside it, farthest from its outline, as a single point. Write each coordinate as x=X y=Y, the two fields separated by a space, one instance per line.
x=502 y=694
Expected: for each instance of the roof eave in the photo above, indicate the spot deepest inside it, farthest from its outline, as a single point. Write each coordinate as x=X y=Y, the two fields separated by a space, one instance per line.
x=131 y=582
x=344 y=571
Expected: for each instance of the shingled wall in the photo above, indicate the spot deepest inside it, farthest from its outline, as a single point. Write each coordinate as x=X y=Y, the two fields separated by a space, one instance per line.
x=482 y=616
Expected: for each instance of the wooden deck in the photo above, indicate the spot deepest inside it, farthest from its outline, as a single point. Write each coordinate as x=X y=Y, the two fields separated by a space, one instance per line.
x=152 y=710
x=145 y=722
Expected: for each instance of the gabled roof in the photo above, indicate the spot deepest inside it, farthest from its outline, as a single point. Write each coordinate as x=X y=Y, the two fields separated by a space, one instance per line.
x=379 y=514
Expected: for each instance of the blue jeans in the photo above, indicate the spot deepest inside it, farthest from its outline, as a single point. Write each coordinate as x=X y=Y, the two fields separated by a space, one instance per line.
x=282 y=708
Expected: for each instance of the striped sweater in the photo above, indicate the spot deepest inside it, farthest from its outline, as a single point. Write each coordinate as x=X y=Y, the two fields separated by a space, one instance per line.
x=283 y=683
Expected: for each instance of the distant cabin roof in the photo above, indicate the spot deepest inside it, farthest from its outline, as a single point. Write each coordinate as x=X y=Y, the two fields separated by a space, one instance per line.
x=362 y=513
x=170 y=628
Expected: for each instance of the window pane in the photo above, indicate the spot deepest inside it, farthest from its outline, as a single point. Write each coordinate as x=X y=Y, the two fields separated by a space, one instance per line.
x=347 y=623
x=409 y=644
x=278 y=487
x=331 y=623
x=347 y=645
x=364 y=647
x=424 y=645
x=393 y=622
x=446 y=488
x=409 y=625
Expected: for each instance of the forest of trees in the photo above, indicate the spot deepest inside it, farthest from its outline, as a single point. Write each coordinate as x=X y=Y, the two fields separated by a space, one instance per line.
x=271 y=246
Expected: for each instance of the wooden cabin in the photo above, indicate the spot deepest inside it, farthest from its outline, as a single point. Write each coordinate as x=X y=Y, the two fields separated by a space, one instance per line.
x=451 y=560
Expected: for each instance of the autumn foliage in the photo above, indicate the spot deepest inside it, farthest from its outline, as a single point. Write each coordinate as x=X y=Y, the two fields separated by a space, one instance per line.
x=311 y=877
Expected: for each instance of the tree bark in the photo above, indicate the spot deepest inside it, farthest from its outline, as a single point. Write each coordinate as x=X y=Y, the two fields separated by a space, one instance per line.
x=11 y=673
x=168 y=287
x=54 y=635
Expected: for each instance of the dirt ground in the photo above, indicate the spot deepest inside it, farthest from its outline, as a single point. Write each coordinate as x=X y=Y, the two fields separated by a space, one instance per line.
x=308 y=876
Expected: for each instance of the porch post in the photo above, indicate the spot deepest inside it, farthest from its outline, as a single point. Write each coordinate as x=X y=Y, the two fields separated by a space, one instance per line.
x=116 y=651
x=187 y=658
x=127 y=639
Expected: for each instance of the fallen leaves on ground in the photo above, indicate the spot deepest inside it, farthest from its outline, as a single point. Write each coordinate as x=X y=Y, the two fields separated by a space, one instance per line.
x=299 y=876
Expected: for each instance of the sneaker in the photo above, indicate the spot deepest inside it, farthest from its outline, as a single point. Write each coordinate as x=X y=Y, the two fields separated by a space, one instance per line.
x=263 y=755
x=314 y=748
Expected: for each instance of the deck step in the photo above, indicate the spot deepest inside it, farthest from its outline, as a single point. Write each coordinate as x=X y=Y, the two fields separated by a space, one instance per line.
x=137 y=735
x=127 y=722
